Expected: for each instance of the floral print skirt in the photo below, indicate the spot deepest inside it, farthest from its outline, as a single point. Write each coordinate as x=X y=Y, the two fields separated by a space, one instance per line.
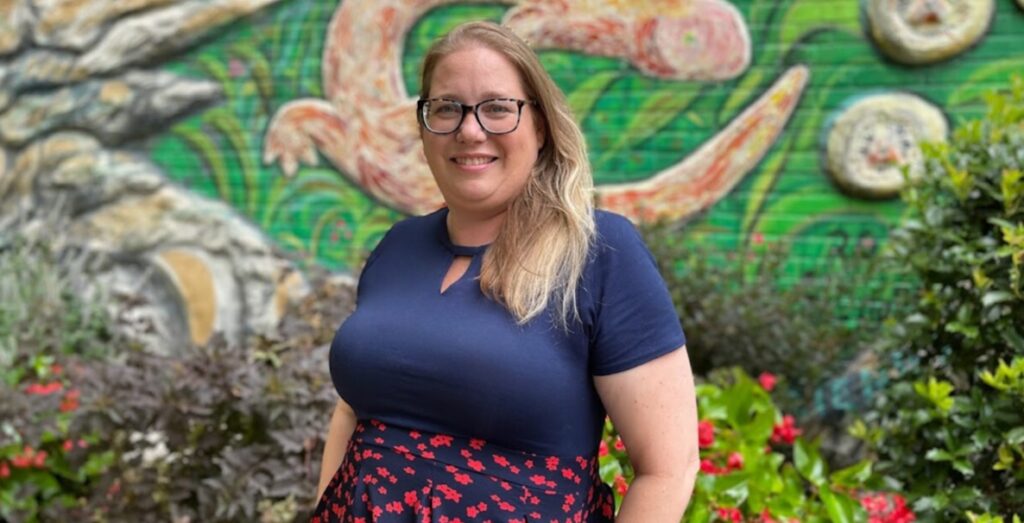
x=390 y=474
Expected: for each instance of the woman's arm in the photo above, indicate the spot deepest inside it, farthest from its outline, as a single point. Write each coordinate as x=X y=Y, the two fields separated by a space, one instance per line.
x=654 y=408
x=343 y=423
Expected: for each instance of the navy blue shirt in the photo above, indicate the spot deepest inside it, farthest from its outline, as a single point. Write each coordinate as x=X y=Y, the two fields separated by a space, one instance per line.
x=457 y=362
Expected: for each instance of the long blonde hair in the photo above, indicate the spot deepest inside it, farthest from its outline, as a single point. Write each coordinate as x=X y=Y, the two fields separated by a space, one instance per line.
x=543 y=245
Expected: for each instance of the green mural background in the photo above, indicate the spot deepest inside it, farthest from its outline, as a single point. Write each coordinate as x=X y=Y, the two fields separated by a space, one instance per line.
x=635 y=125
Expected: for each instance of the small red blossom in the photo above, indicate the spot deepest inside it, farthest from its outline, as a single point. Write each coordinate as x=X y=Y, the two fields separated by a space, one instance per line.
x=602 y=448
x=766 y=517
x=785 y=431
x=705 y=433
x=757 y=238
x=730 y=514
x=735 y=461
x=887 y=508
x=5 y=470
x=68 y=445
x=56 y=368
x=708 y=467
x=620 y=485
x=767 y=381
x=39 y=389
x=619 y=445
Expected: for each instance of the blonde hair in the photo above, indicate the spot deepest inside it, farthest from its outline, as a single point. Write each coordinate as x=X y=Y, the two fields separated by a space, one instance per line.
x=543 y=245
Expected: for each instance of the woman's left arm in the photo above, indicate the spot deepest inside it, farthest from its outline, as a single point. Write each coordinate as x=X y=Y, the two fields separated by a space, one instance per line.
x=654 y=408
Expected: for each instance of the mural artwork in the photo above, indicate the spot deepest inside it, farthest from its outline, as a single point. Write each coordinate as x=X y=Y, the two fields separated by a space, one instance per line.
x=212 y=148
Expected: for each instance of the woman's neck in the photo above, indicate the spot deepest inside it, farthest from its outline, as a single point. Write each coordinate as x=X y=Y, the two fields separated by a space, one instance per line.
x=471 y=229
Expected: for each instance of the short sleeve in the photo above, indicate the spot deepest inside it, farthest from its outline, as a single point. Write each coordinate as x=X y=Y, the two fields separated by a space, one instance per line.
x=634 y=318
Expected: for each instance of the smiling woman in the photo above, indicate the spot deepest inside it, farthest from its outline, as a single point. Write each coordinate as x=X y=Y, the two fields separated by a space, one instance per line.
x=492 y=337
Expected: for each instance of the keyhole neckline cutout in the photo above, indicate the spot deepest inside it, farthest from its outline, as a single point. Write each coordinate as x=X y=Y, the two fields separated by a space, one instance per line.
x=457 y=250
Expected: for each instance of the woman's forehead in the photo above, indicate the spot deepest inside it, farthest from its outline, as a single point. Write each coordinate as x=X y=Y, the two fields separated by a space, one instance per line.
x=476 y=71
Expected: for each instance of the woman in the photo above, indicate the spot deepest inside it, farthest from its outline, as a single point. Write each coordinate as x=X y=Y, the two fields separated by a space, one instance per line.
x=491 y=337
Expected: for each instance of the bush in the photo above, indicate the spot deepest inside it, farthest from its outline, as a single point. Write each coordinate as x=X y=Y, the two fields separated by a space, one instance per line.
x=215 y=433
x=46 y=324
x=963 y=238
x=736 y=312
x=756 y=466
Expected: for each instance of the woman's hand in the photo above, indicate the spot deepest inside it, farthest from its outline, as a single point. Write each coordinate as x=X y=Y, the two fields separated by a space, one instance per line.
x=654 y=408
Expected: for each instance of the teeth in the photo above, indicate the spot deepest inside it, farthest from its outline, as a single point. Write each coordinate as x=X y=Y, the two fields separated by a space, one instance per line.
x=476 y=160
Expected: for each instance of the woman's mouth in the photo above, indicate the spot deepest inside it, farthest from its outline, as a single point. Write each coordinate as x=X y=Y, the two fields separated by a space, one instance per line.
x=473 y=161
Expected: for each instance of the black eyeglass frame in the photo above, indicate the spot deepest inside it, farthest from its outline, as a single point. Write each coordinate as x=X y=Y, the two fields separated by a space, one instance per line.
x=422 y=102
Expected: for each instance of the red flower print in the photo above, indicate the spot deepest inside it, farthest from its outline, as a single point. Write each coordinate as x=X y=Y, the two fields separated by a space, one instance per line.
x=537 y=479
x=412 y=499
x=477 y=444
x=475 y=465
x=619 y=445
x=449 y=493
x=501 y=460
x=551 y=463
x=441 y=440
x=463 y=479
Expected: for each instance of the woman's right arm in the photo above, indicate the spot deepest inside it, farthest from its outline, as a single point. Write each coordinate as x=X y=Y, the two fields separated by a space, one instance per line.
x=343 y=423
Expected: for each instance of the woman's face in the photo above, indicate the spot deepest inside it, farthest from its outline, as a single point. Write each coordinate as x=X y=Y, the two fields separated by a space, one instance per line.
x=478 y=172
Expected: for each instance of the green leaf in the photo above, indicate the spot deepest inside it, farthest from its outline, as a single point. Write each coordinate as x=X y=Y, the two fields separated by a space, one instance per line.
x=586 y=94
x=809 y=463
x=853 y=476
x=1015 y=436
x=938 y=455
x=993 y=297
x=841 y=508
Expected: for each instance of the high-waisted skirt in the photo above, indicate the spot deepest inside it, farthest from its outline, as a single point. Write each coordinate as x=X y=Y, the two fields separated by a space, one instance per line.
x=391 y=474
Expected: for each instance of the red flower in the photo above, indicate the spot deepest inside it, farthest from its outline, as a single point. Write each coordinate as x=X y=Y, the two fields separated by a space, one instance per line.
x=708 y=467
x=735 y=461
x=730 y=514
x=70 y=401
x=887 y=508
x=619 y=445
x=705 y=433
x=68 y=445
x=38 y=389
x=40 y=459
x=5 y=471
x=602 y=448
x=767 y=381
x=757 y=238
x=766 y=517
x=785 y=431
x=620 y=485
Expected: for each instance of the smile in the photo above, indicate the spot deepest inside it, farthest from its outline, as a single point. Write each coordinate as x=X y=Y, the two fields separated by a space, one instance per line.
x=474 y=160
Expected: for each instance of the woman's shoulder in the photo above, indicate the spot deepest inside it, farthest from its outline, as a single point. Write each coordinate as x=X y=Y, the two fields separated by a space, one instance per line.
x=615 y=231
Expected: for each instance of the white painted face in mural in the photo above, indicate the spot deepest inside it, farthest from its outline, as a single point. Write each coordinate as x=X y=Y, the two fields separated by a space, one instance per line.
x=479 y=172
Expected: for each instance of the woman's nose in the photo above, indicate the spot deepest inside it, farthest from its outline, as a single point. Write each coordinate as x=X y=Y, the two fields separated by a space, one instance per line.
x=470 y=130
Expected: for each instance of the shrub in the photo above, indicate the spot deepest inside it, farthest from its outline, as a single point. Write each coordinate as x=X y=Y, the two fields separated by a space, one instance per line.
x=942 y=427
x=736 y=312
x=756 y=466
x=46 y=325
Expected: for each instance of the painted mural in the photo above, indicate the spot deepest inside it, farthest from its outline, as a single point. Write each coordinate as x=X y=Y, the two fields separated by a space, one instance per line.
x=217 y=147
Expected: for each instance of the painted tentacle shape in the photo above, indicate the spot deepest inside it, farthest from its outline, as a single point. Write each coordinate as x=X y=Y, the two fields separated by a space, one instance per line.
x=366 y=126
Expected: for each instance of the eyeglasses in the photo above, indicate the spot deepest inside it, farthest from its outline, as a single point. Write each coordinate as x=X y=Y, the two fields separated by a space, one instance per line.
x=495 y=116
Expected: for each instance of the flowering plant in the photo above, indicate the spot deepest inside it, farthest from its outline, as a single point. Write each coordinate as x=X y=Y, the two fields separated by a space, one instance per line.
x=44 y=464
x=756 y=467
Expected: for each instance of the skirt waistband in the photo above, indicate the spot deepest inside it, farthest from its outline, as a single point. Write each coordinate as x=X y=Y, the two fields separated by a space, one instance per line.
x=551 y=473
